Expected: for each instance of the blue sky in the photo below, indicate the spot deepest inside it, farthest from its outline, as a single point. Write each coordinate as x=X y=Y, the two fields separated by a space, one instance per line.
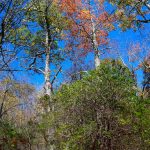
x=120 y=38
x=124 y=39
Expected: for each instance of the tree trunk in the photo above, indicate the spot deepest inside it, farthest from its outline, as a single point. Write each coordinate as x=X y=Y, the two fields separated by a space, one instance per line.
x=95 y=46
x=48 y=92
x=48 y=85
x=97 y=60
x=47 y=68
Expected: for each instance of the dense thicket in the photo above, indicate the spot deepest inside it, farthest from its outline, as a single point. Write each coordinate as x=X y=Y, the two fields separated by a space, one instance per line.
x=102 y=111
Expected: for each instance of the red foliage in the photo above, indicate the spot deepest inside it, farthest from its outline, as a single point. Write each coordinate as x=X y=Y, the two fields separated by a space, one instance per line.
x=82 y=15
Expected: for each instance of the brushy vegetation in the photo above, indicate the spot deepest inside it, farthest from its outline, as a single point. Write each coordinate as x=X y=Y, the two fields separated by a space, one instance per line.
x=103 y=110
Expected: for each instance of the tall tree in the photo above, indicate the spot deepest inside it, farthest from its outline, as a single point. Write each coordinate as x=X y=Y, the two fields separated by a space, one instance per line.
x=40 y=36
x=89 y=26
x=42 y=29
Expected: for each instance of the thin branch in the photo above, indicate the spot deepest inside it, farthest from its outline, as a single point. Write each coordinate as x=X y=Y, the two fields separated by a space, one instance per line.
x=53 y=80
x=2 y=104
x=4 y=112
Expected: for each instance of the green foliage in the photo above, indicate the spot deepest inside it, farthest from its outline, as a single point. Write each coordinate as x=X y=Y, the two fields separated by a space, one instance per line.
x=11 y=136
x=131 y=13
x=45 y=16
x=142 y=124
x=101 y=110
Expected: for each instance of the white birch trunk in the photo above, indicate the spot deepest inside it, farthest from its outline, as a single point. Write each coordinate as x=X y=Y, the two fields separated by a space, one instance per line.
x=95 y=46
x=48 y=85
x=47 y=68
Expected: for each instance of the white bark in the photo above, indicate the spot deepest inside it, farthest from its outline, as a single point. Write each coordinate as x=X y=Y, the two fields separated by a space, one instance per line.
x=97 y=61
x=47 y=68
x=95 y=46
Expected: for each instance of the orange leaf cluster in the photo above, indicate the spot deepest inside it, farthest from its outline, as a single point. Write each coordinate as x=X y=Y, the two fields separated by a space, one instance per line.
x=82 y=15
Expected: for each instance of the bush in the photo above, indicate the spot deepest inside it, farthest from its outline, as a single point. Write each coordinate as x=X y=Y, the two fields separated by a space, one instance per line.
x=101 y=111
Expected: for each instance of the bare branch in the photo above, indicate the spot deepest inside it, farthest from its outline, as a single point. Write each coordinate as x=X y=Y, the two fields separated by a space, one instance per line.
x=53 y=80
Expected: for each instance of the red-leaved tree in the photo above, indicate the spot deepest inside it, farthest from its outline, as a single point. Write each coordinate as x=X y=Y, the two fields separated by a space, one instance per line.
x=88 y=27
